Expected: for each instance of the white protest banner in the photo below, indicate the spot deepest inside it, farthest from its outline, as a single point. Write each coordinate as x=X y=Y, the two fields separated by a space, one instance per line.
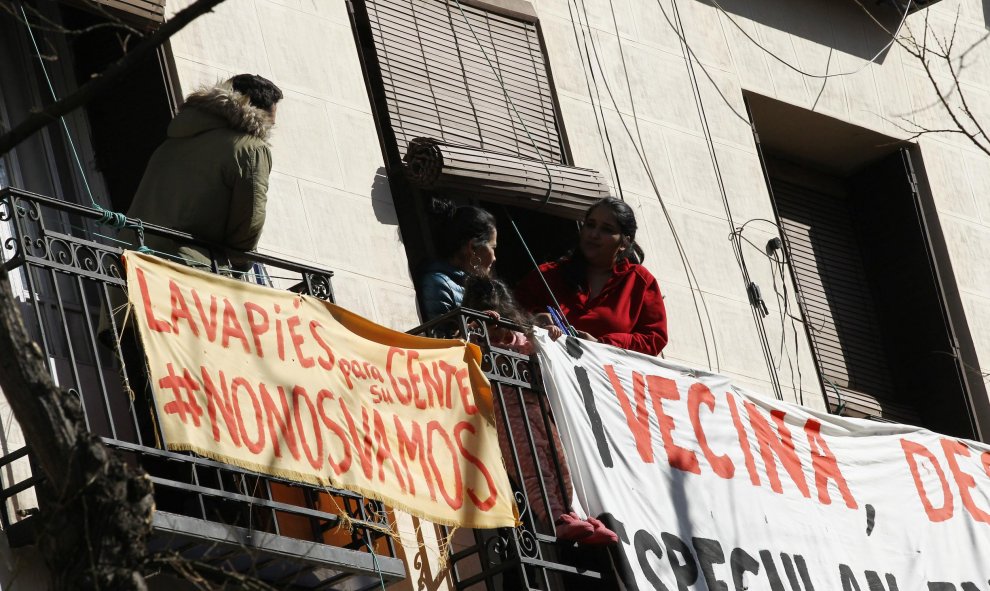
x=712 y=487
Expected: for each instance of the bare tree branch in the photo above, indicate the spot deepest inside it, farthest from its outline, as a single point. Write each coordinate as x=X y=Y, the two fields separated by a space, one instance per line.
x=972 y=129
x=957 y=83
x=923 y=53
x=104 y=82
x=50 y=25
x=97 y=509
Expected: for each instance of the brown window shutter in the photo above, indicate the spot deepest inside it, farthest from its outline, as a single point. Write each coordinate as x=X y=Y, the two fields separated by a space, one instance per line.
x=439 y=83
x=838 y=304
x=140 y=12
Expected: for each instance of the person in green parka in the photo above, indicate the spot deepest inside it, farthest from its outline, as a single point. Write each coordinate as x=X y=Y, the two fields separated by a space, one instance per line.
x=210 y=176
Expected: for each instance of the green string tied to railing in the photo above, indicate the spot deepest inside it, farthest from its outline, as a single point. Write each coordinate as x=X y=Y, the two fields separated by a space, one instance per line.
x=139 y=231
x=114 y=219
x=118 y=220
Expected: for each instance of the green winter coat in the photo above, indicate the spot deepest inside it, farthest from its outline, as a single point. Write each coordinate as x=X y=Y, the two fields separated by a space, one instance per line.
x=209 y=178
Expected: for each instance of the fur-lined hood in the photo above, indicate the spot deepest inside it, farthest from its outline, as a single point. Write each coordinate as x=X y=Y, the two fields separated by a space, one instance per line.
x=220 y=106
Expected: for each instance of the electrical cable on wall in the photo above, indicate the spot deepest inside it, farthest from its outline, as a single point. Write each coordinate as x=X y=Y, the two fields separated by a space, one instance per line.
x=773 y=252
x=826 y=75
x=693 y=284
x=751 y=289
x=692 y=279
x=429 y=79
x=784 y=304
x=685 y=44
x=821 y=91
x=802 y=306
x=508 y=99
x=600 y=112
x=741 y=260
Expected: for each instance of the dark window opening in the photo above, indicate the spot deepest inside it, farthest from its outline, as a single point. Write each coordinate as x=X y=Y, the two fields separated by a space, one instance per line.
x=113 y=137
x=41 y=163
x=871 y=271
x=114 y=134
x=128 y=122
x=547 y=237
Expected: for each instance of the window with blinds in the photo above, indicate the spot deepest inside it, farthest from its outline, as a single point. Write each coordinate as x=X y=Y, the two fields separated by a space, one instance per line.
x=464 y=75
x=138 y=11
x=837 y=300
x=871 y=293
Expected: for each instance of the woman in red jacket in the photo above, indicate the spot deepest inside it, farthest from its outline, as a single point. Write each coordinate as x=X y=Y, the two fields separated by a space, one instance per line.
x=603 y=292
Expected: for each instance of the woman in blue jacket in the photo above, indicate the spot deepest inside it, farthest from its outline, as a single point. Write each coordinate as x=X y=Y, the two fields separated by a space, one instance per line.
x=465 y=242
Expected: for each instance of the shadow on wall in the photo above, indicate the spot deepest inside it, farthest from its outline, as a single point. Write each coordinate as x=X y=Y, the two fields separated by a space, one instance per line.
x=843 y=26
x=381 y=201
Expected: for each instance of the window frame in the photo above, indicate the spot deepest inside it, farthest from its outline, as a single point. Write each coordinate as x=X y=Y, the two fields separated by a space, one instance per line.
x=361 y=26
x=411 y=203
x=946 y=297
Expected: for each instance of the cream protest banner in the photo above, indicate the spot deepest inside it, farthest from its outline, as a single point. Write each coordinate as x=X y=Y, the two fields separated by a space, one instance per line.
x=291 y=386
x=713 y=487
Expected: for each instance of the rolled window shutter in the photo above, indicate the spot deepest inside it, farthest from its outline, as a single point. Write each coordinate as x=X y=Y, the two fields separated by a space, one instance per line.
x=439 y=83
x=557 y=189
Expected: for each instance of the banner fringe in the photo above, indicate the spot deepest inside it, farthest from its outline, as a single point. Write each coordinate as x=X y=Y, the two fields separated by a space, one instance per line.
x=174 y=437
x=443 y=561
x=316 y=481
x=126 y=307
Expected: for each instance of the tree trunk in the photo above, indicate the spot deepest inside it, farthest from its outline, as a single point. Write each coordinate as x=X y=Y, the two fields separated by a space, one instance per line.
x=96 y=510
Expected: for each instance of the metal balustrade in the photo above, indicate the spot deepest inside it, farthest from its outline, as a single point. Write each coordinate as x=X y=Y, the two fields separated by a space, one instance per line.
x=65 y=269
x=529 y=557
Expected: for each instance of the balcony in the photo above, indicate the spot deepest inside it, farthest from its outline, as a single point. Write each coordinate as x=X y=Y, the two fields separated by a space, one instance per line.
x=65 y=268
x=529 y=557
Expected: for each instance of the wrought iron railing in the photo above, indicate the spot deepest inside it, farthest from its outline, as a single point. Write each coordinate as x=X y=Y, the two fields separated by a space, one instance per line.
x=529 y=557
x=65 y=270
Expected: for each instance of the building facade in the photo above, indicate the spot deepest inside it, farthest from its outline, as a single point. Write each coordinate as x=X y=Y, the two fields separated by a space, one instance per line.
x=824 y=88
x=816 y=215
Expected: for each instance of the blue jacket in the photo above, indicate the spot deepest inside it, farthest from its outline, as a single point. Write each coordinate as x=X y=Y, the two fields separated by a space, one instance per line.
x=441 y=289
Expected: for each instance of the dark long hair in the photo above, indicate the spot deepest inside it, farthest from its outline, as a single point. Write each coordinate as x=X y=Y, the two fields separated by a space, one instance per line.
x=455 y=226
x=488 y=293
x=576 y=266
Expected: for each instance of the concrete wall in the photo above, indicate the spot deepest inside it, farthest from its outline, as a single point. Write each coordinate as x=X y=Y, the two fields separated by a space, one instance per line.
x=645 y=97
x=330 y=204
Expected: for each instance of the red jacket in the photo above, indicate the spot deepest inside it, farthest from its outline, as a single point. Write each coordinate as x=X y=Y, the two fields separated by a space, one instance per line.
x=628 y=313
